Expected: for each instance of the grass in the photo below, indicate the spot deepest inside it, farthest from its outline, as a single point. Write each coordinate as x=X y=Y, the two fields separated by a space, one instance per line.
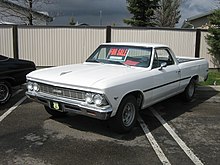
x=213 y=79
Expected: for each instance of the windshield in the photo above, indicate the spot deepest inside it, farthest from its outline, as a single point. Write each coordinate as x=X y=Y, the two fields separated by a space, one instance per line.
x=122 y=55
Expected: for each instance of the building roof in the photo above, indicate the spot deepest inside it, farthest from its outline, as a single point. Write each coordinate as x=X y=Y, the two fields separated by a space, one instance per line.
x=35 y=13
x=197 y=21
x=206 y=14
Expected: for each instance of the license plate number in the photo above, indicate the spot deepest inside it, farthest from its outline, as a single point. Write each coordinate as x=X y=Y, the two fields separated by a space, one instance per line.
x=56 y=106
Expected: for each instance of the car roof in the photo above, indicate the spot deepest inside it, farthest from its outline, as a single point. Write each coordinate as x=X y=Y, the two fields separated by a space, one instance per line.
x=154 y=45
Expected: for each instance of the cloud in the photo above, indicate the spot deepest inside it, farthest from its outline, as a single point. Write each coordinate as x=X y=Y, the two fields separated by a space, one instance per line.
x=85 y=7
x=87 y=11
x=113 y=11
x=191 y=8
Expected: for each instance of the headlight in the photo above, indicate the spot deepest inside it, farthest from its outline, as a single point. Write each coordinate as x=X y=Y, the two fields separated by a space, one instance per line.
x=96 y=99
x=33 y=87
x=99 y=100
x=30 y=86
x=89 y=98
x=36 y=87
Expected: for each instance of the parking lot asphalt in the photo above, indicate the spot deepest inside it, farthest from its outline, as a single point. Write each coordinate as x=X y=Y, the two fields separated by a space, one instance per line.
x=170 y=132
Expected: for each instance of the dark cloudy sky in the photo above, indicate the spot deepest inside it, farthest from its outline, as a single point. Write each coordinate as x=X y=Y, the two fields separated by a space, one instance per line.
x=113 y=11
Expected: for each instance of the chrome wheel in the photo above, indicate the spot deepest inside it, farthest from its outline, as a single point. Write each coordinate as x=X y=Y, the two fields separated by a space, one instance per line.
x=128 y=114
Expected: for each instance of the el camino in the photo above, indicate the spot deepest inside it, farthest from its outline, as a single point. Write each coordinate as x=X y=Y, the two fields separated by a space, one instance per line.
x=116 y=81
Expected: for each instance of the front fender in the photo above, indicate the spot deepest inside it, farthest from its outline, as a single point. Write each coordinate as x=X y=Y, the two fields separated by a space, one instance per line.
x=116 y=94
x=10 y=80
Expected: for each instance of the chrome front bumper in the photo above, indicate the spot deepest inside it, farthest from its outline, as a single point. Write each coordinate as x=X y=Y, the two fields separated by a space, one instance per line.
x=73 y=106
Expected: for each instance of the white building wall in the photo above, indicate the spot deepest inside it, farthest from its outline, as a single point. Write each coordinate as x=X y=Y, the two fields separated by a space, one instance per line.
x=18 y=17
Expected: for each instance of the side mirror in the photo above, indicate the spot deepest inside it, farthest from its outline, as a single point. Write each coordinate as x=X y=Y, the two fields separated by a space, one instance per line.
x=163 y=65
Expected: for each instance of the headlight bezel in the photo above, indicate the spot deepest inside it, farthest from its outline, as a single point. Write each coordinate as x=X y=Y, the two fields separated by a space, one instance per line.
x=89 y=98
x=33 y=86
x=36 y=87
x=99 y=100
x=96 y=99
x=30 y=86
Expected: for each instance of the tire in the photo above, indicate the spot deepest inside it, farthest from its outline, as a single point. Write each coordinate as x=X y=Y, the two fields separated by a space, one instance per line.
x=5 y=92
x=126 y=116
x=54 y=113
x=189 y=92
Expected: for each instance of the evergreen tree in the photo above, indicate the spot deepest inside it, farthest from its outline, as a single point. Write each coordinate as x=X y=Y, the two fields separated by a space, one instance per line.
x=213 y=39
x=142 y=11
x=72 y=21
x=168 y=13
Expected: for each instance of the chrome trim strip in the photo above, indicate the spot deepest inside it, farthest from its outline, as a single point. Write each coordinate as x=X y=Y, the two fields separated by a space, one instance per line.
x=102 y=113
x=61 y=92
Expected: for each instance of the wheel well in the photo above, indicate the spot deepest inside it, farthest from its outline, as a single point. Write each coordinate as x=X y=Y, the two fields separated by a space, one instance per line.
x=196 y=78
x=10 y=81
x=138 y=95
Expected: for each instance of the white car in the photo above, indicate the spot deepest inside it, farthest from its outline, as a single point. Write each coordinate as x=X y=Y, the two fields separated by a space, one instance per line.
x=116 y=81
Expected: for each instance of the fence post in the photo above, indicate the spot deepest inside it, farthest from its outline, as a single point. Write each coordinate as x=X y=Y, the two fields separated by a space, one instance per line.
x=108 y=34
x=198 y=42
x=15 y=41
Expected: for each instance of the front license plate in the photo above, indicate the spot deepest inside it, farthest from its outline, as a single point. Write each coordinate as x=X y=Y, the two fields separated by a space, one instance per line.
x=56 y=106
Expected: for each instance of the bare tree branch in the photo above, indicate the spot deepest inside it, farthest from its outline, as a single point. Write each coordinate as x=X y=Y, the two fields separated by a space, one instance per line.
x=24 y=10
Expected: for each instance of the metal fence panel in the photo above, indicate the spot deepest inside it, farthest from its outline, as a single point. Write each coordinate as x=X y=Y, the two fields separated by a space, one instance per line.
x=53 y=46
x=6 y=41
x=181 y=42
x=59 y=45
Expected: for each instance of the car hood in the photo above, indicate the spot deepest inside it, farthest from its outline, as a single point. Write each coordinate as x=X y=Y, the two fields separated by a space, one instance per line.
x=87 y=75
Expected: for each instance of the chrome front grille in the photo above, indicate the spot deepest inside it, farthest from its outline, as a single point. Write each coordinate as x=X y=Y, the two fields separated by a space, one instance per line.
x=62 y=92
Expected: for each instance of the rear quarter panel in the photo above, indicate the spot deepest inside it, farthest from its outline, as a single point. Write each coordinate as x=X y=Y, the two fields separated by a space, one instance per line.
x=193 y=68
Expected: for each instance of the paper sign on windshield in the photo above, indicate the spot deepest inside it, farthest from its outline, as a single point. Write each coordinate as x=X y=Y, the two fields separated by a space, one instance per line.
x=117 y=54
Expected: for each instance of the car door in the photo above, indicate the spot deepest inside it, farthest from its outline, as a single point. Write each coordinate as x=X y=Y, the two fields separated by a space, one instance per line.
x=166 y=78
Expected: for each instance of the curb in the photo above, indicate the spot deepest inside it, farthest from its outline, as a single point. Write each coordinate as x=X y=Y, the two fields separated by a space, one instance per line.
x=208 y=88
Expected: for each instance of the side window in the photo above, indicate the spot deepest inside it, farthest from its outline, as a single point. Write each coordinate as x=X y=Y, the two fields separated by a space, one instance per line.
x=162 y=55
x=156 y=63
